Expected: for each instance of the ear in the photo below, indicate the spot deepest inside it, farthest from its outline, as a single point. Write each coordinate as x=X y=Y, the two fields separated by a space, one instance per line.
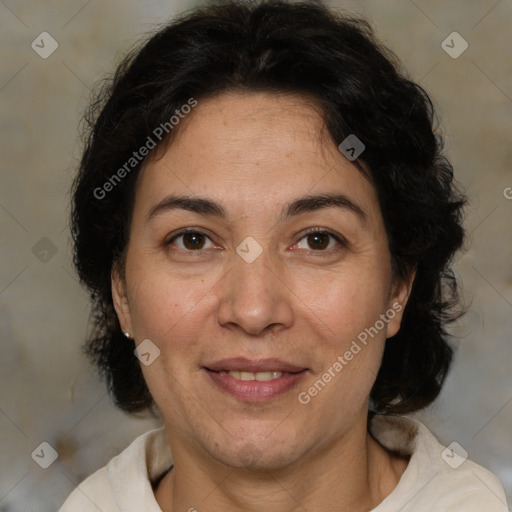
x=397 y=302
x=121 y=305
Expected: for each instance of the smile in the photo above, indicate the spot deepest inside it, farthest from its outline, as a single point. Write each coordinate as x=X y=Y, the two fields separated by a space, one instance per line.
x=254 y=387
x=259 y=376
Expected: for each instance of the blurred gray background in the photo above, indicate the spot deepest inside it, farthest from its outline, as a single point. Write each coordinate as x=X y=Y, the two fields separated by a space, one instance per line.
x=49 y=393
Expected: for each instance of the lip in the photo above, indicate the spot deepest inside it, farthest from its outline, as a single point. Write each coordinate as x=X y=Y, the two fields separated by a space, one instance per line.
x=248 y=365
x=252 y=390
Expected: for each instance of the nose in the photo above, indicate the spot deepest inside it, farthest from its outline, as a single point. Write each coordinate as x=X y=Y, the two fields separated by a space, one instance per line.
x=255 y=296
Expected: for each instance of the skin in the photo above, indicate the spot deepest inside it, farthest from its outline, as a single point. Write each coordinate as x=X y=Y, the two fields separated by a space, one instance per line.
x=303 y=301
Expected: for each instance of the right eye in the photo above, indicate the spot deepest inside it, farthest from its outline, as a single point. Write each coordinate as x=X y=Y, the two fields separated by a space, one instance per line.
x=190 y=240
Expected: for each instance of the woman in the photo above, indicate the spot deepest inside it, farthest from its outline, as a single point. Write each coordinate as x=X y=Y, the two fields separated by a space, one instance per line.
x=265 y=221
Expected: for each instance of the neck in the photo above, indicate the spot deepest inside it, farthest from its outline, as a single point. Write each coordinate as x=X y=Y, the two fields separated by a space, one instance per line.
x=354 y=473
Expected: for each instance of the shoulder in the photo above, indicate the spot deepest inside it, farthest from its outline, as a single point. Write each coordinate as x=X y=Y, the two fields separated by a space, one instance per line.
x=125 y=483
x=437 y=477
x=92 y=494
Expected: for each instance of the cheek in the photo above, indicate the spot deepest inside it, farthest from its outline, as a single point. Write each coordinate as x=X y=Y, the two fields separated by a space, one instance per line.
x=343 y=315
x=170 y=311
x=342 y=304
x=169 y=308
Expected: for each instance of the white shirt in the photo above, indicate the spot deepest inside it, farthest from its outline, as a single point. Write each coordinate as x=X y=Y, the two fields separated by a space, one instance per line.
x=429 y=483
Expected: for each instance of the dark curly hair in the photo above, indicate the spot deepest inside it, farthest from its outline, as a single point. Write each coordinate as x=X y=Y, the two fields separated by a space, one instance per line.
x=280 y=46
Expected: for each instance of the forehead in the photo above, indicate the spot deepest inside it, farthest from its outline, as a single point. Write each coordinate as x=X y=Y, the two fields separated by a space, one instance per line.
x=252 y=147
x=241 y=126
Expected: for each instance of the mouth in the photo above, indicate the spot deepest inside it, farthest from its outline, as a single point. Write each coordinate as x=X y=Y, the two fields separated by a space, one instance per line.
x=259 y=376
x=254 y=381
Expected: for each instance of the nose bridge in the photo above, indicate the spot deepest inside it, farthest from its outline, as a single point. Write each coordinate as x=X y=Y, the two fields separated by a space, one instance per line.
x=256 y=276
x=253 y=297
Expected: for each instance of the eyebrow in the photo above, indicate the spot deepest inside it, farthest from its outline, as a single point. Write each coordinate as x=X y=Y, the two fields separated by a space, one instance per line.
x=305 y=204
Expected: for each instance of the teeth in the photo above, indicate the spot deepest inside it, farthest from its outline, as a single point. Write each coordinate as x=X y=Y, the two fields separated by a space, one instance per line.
x=259 y=376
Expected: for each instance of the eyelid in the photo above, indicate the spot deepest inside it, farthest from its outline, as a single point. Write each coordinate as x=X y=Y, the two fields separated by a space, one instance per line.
x=184 y=231
x=339 y=238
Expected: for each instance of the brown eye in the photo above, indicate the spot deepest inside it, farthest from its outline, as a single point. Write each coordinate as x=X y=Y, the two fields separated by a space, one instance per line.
x=193 y=241
x=190 y=241
x=320 y=241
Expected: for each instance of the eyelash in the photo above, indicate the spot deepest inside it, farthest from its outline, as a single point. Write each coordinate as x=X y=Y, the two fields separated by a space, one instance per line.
x=341 y=241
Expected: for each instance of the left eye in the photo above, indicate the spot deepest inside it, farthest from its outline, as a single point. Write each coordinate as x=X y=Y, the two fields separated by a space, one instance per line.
x=319 y=240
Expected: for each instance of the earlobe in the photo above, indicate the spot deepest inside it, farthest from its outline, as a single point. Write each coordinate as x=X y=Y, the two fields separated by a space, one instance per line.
x=120 y=300
x=397 y=303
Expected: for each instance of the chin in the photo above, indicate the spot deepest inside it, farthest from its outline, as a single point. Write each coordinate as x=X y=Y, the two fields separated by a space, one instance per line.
x=257 y=454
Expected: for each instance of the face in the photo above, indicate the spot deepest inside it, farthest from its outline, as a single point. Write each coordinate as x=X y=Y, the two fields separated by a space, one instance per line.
x=268 y=284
